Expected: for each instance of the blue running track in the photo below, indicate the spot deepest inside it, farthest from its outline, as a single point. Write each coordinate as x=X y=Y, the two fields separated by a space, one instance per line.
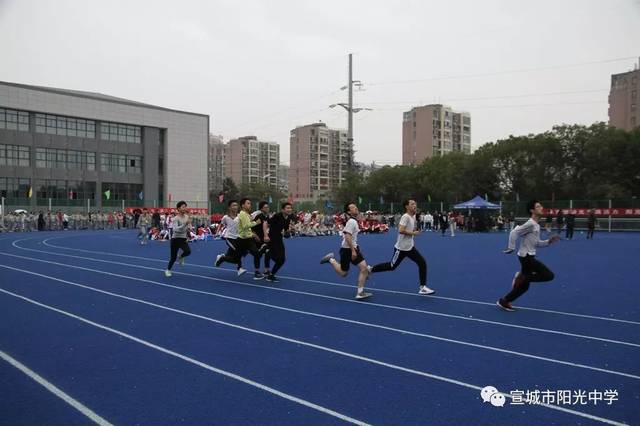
x=113 y=341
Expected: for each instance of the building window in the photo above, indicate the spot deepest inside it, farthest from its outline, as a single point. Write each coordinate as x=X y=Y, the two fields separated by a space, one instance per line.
x=65 y=126
x=15 y=155
x=50 y=158
x=11 y=187
x=12 y=119
x=64 y=190
x=120 y=132
x=120 y=163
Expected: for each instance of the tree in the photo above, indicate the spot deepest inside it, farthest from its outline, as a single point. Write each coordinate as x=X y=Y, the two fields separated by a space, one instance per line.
x=567 y=162
x=260 y=191
x=230 y=189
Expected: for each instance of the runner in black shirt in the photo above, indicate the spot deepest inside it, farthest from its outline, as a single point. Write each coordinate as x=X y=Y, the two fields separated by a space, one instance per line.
x=277 y=226
x=262 y=216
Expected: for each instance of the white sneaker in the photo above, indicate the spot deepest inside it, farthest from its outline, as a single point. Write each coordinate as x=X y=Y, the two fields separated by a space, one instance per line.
x=167 y=273
x=241 y=271
x=326 y=258
x=363 y=295
x=425 y=290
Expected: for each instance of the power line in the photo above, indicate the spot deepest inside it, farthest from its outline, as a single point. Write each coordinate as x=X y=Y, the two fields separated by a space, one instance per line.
x=513 y=71
x=280 y=112
x=511 y=106
x=491 y=97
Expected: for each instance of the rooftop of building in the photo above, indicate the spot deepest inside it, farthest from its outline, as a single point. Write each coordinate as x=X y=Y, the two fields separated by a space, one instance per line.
x=96 y=96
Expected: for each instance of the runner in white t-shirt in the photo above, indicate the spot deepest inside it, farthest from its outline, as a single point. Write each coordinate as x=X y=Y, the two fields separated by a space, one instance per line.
x=405 y=247
x=350 y=253
x=230 y=235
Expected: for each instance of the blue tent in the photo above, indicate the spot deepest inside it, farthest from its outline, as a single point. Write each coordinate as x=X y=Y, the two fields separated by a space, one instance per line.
x=477 y=203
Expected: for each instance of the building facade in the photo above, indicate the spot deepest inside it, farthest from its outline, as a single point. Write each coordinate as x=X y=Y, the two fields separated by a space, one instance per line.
x=320 y=158
x=248 y=160
x=217 y=154
x=283 y=178
x=433 y=130
x=82 y=148
x=623 y=100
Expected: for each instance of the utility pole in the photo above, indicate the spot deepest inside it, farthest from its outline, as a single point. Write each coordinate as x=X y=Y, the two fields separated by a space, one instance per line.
x=350 y=111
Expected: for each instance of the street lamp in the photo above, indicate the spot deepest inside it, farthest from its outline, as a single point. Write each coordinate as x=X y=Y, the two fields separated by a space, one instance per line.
x=346 y=106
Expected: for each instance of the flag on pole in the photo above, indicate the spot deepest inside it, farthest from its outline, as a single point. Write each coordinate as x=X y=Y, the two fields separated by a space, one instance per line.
x=30 y=193
x=359 y=199
x=270 y=199
x=381 y=199
x=486 y=196
x=429 y=197
x=141 y=195
x=221 y=197
x=71 y=195
x=107 y=194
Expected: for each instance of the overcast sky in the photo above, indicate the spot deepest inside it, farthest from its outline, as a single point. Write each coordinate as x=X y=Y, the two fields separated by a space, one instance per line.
x=263 y=67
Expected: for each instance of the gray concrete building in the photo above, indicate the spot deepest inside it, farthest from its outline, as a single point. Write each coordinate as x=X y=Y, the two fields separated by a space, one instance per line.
x=72 y=146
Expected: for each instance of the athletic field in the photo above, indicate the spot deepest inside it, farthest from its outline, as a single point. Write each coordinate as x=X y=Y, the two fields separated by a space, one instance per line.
x=92 y=331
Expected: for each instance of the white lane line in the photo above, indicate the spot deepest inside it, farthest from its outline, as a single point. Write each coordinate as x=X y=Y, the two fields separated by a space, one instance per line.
x=188 y=359
x=90 y=414
x=452 y=299
x=334 y=318
x=371 y=304
x=275 y=336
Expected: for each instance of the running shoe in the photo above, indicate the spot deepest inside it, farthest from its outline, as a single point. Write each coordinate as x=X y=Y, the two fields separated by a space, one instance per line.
x=241 y=271
x=424 y=290
x=219 y=259
x=258 y=276
x=363 y=295
x=503 y=304
x=326 y=258
x=167 y=273
x=272 y=278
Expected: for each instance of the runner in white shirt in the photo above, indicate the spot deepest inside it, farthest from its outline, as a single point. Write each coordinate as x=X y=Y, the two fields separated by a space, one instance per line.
x=405 y=247
x=350 y=251
x=230 y=235
x=532 y=270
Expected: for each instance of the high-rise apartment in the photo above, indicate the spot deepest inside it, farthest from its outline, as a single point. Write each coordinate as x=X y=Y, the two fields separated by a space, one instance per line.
x=320 y=158
x=433 y=130
x=216 y=172
x=248 y=160
x=623 y=99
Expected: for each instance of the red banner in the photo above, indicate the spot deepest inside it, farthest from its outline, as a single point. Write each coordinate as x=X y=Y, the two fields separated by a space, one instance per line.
x=599 y=212
x=166 y=210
